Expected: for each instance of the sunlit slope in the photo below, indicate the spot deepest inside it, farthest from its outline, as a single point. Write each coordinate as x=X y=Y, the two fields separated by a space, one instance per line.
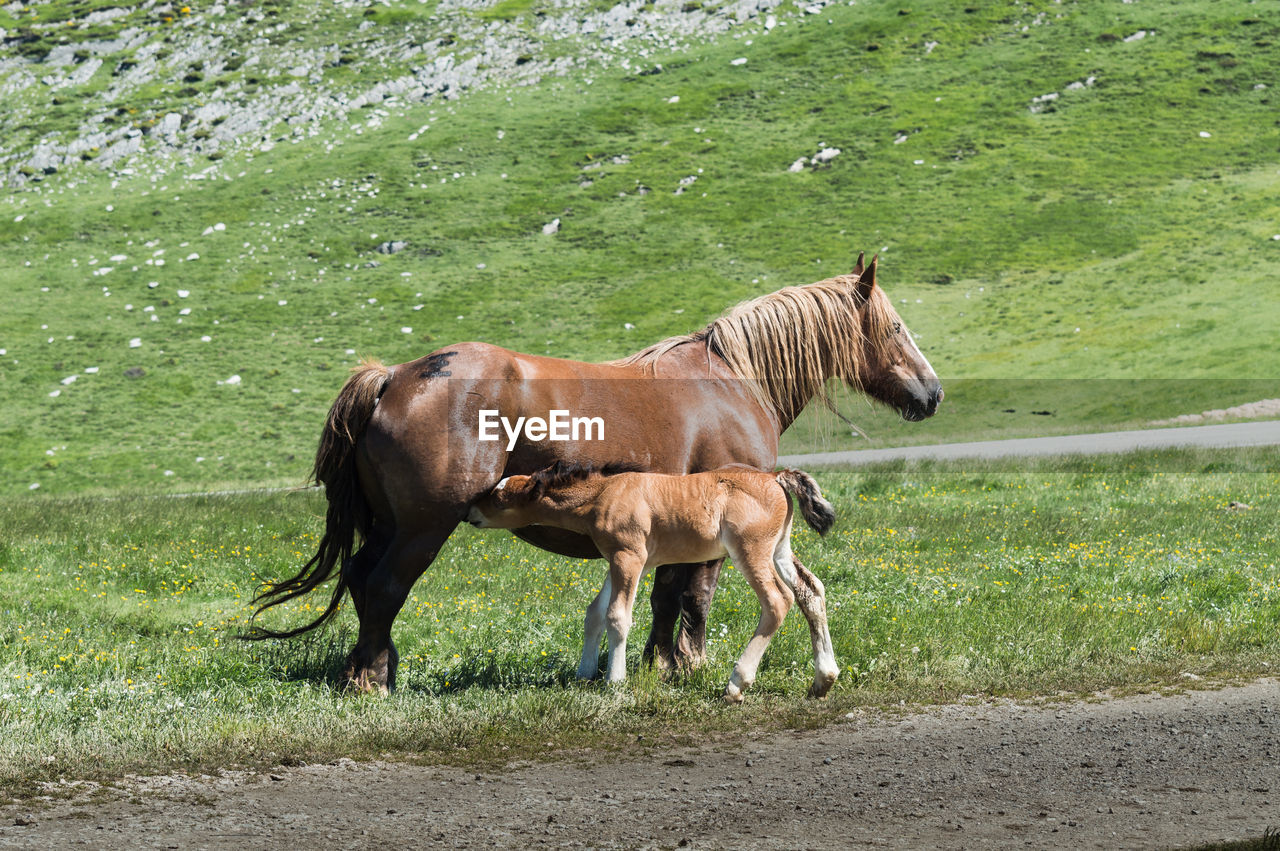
x=1121 y=229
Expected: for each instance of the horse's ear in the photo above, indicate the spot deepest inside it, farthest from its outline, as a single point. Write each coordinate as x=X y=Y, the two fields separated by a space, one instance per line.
x=867 y=280
x=857 y=269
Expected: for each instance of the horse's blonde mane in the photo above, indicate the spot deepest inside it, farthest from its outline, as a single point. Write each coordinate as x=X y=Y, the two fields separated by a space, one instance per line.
x=790 y=343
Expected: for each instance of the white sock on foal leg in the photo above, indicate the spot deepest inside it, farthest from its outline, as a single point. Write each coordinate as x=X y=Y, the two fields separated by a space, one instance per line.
x=593 y=631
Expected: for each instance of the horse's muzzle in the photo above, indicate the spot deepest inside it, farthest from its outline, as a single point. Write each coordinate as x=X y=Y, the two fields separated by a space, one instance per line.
x=924 y=404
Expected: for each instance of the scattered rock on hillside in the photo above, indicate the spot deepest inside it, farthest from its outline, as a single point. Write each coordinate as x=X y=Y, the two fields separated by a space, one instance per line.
x=394 y=246
x=243 y=90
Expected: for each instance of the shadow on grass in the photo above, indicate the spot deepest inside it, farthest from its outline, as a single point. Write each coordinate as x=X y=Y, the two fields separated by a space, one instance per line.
x=320 y=657
x=491 y=672
x=317 y=657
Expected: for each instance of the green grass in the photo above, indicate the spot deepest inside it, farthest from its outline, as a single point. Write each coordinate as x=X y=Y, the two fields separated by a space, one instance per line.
x=1109 y=214
x=121 y=614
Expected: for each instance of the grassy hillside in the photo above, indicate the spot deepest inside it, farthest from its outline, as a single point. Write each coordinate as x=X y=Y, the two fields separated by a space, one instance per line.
x=1123 y=229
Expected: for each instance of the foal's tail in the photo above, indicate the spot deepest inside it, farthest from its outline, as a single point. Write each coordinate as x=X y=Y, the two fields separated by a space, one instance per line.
x=348 y=513
x=817 y=512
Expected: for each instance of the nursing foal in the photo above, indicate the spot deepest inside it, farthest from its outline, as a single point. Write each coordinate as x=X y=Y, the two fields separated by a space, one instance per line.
x=644 y=520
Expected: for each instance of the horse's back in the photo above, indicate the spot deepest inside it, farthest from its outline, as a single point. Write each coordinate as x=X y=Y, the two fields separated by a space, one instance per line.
x=447 y=425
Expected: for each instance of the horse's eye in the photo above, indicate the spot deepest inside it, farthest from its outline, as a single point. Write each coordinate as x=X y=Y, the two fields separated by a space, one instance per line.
x=897 y=328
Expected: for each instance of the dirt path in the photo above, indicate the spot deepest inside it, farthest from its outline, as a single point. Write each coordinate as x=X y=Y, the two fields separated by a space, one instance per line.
x=1139 y=772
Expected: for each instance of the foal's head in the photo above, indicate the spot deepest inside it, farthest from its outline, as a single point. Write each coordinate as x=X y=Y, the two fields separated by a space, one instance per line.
x=504 y=507
x=894 y=371
x=518 y=501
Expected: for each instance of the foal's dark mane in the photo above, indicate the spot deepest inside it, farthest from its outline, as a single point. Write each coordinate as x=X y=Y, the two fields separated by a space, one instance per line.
x=563 y=473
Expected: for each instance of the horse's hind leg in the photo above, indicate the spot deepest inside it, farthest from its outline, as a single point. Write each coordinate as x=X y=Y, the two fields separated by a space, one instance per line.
x=812 y=599
x=371 y=665
x=355 y=570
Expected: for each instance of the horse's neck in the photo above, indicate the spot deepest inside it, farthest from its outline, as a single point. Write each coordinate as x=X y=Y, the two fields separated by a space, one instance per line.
x=696 y=359
x=691 y=360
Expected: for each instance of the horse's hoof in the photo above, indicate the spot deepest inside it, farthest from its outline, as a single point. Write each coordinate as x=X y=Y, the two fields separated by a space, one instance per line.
x=365 y=682
x=364 y=686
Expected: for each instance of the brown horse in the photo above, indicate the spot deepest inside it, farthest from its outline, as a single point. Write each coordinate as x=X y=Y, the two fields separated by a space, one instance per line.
x=640 y=521
x=407 y=449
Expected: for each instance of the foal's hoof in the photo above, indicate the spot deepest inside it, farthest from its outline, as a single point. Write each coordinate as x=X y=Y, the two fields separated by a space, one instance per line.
x=822 y=685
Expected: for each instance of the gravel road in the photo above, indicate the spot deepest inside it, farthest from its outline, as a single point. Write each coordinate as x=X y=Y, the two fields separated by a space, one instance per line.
x=1232 y=435
x=1133 y=772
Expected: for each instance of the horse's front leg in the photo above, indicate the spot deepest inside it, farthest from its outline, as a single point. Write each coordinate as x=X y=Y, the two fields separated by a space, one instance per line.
x=669 y=582
x=695 y=604
x=624 y=579
x=593 y=631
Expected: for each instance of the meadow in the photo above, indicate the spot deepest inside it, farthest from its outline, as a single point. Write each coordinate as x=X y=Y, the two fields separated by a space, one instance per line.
x=180 y=324
x=945 y=582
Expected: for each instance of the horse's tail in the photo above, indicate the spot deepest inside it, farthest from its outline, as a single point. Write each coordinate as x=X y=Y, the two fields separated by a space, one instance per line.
x=817 y=512
x=348 y=514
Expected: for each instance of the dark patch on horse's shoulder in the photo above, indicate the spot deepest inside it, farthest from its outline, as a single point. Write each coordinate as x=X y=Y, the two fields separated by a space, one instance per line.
x=435 y=366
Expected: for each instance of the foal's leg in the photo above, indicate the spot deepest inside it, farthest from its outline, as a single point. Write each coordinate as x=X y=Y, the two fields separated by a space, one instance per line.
x=812 y=597
x=624 y=579
x=371 y=665
x=593 y=631
x=775 y=601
